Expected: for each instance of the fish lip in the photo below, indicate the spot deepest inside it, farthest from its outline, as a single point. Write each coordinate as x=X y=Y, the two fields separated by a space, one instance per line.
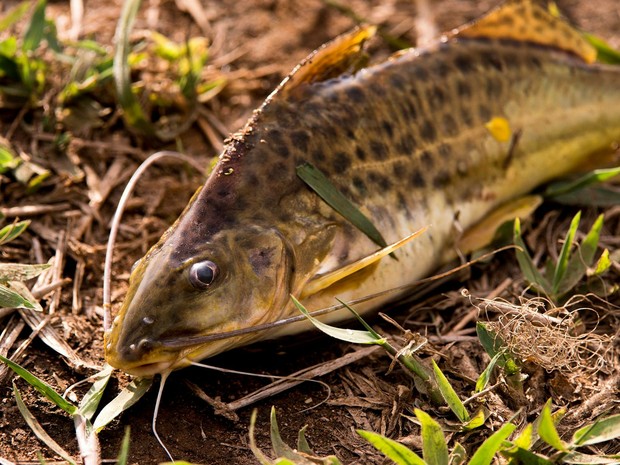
x=148 y=370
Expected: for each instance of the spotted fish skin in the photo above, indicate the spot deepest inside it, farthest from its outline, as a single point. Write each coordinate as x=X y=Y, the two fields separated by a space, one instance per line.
x=406 y=141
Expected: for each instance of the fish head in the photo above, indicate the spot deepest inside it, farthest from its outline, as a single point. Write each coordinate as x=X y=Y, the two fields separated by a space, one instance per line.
x=236 y=279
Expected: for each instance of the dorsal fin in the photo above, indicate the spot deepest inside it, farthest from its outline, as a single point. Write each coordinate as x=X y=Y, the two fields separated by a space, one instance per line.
x=339 y=56
x=524 y=20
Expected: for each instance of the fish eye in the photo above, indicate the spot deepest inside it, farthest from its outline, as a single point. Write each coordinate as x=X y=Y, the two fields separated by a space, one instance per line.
x=202 y=274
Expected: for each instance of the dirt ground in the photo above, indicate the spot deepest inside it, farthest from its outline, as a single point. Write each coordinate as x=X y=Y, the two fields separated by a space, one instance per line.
x=255 y=43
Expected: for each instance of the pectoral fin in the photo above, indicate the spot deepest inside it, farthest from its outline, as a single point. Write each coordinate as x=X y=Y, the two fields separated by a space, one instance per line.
x=324 y=281
x=482 y=234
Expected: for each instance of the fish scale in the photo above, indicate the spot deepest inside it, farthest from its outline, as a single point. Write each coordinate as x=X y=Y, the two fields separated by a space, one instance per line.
x=406 y=140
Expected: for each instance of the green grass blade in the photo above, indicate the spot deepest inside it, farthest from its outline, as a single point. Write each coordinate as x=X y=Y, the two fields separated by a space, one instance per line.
x=450 y=395
x=132 y=111
x=123 y=454
x=41 y=386
x=547 y=430
x=11 y=299
x=19 y=272
x=125 y=399
x=34 y=33
x=580 y=261
x=475 y=421
x=562 y=265
x=526 y=264
x=593 y=196
x=561 y=188
x=14 y=15
x=90 y=402
x=458 y=456
x=393 y=450
x=12 y=231
x=487 y=450
x=302 y=442
x=360 y=319
x=524 y=456
x=434 y=446
x=483 y=380
x=587 y=459
x=319 y=183
x=38 y=430
x=261 y=457
x=602 y=430
x=524 y=440
x=281 y=448
x=494 y=345
x=604 y=52
x=347 y=335
x=603 y=264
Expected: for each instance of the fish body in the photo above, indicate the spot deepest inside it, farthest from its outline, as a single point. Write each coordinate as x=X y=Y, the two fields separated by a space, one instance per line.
x=407 y=140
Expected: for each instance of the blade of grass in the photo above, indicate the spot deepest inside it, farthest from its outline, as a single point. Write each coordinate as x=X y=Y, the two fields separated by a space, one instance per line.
x=547 y=430
x=12 y=231
x=123 y=454
x=587 y=459
x=347 y=335
x=132 y=111
x=302 y=442
x=579 y=262
x=605 y=53
x=34 y=33
x=20 y=272
x=593 y=177
x=458 y=456
x=487 y=450
x=450 y=395
x=395 y=451
x=526 y=264
x=41 y=386
x=125 y=399
x=319 y=183
x=14 y=15
x=524 y=456
x=602 y=430
x=11 y=299
x=281 y=448
x=483 y=380
x=90 y=402
x=434 y=446
x=562 y=265
x=493 y=345
x=476 y=421
x=37 y=429
x=262 y=458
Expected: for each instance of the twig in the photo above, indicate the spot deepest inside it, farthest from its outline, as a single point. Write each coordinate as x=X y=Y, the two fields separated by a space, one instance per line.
x=284 y=384
x=34 y=210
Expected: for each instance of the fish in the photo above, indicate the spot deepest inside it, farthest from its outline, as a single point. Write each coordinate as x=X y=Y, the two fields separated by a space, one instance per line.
x=431 y=137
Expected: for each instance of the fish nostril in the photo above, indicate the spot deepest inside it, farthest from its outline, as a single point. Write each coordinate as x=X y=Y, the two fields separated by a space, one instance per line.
x=145 y=345
x=147 y=320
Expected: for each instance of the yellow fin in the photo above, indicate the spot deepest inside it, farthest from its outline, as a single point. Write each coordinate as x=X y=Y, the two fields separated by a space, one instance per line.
x=499 y=128
x=326 y=280
x=341 y=55
x=524 y=20
x=482 y=234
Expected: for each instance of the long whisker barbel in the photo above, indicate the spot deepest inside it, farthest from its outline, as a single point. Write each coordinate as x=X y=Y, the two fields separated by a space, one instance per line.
x=118 y=214
x=184 y=342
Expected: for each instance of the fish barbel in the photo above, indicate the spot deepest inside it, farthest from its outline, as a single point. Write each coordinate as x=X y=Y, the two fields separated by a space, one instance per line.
x=407 y=140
